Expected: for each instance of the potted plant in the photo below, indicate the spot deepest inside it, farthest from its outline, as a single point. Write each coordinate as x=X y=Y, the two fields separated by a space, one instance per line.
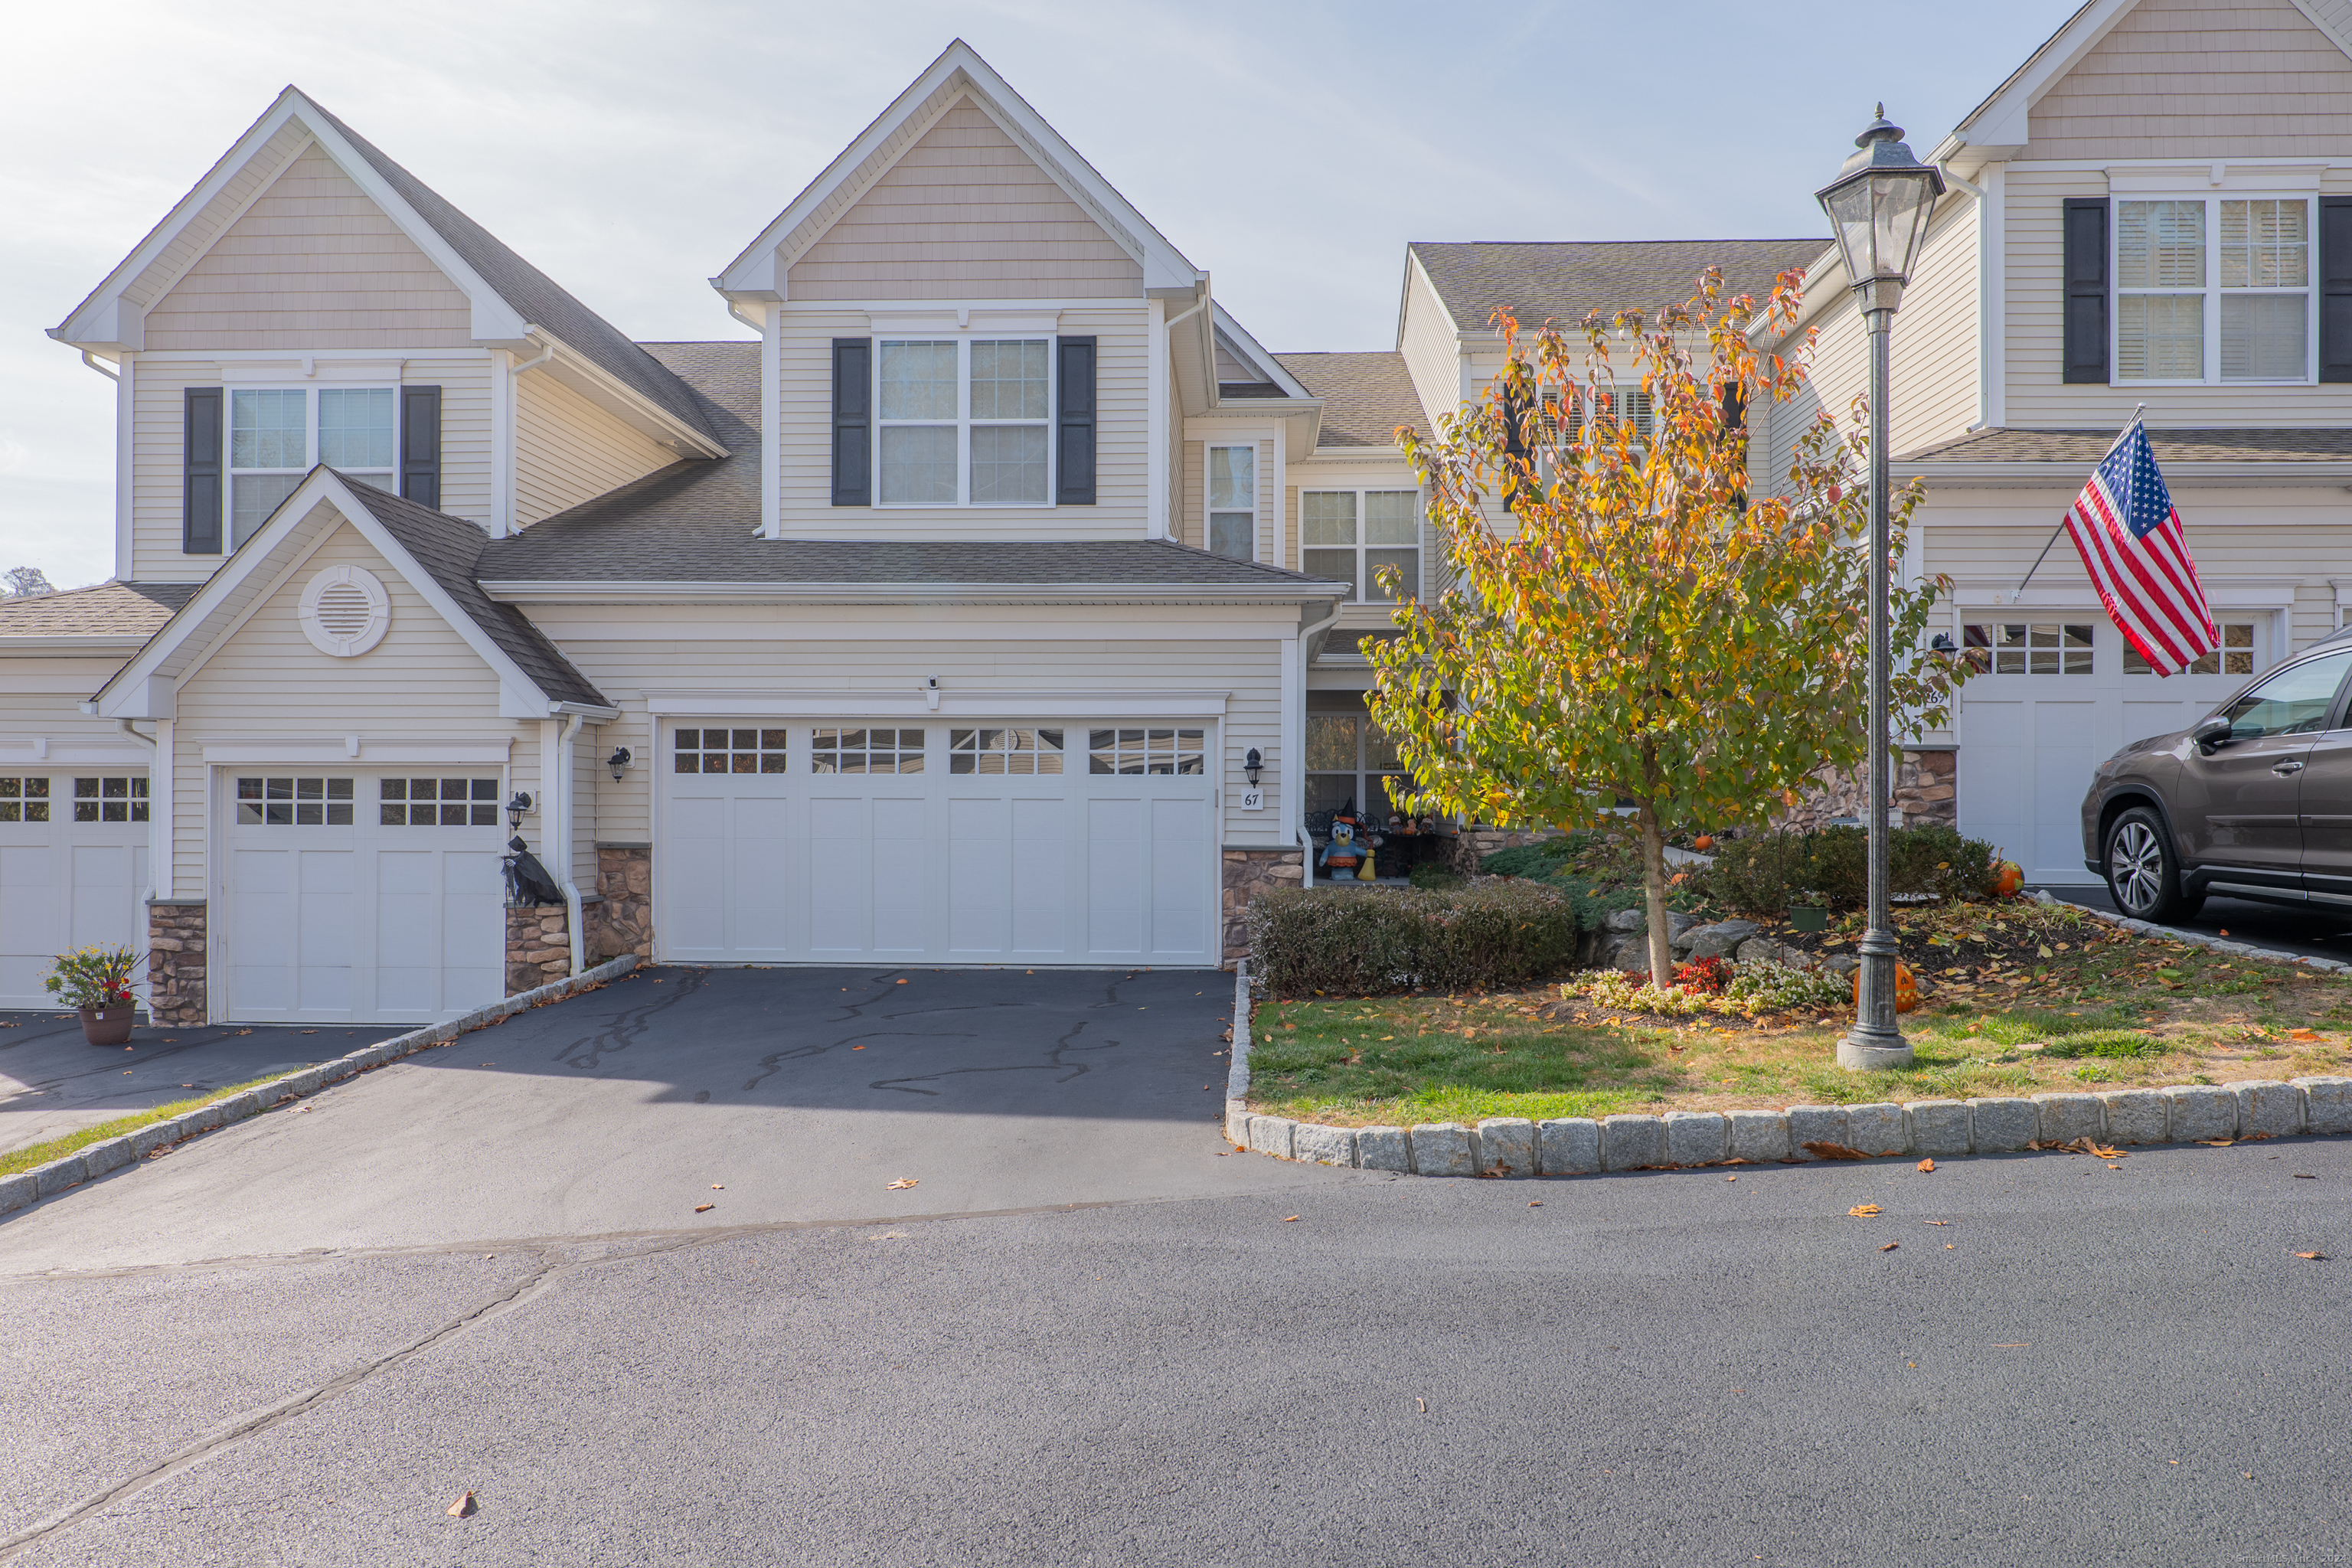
x=96 y=981
x=1809 y=911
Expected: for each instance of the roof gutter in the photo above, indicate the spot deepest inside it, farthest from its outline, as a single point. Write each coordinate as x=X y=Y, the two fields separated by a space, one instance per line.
x=579 y=591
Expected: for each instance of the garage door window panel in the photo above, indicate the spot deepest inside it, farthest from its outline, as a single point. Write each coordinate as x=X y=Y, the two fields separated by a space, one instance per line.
x=2030 y=647
x=1144 y=751
x=435 y=803
x=110 y=798
x=295 y=802
x=728 y=751
x=24 y=799
x=1014 y=752
x=2236 y=655
x=890 y=751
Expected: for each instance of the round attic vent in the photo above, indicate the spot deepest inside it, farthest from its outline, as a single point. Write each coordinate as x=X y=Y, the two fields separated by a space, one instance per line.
x=345 y=611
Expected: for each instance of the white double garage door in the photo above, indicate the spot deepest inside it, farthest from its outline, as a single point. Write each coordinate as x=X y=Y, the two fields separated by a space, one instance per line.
x=73 y=870
x=1081 y=843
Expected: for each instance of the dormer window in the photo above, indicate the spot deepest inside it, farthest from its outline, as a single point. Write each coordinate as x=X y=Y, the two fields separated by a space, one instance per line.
x=963 y=421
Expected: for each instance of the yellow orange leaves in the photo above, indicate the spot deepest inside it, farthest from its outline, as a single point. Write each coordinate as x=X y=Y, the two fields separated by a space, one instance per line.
x=1863 y=1211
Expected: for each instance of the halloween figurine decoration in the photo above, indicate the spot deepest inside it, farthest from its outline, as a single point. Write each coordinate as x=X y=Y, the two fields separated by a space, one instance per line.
x=1343 y=855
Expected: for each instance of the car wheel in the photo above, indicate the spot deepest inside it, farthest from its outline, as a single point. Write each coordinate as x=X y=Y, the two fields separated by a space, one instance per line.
x=2143 y=873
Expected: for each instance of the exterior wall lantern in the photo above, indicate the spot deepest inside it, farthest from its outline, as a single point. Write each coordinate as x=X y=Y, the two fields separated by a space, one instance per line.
x=517 y=809
x=1251 y=764
x=1878 y=207
x=618 y=761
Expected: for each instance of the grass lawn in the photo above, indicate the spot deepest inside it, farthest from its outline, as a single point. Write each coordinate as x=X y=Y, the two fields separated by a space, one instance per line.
x=2025 y=997
x=19 y=1160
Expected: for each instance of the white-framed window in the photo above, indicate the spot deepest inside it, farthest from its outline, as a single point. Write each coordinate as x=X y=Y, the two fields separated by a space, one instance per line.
x=1233 y=502
x=277 y=433
x=2239 y=653
x=963 y=421
x=2213 y=288
x=2029 y=648
x=24 y=799
x=1349 y=535
x=1350 y=763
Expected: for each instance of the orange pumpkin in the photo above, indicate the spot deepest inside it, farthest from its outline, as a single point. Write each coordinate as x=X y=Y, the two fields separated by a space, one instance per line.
x=2011 y=878
x=1703 y=843
x=1906 y=988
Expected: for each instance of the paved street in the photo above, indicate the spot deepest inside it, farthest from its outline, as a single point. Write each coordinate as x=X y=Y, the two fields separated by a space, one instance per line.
x=1091 y=1336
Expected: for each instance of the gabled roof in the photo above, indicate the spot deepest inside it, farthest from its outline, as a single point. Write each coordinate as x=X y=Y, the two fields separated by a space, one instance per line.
x=758 y=272
x=513 y=300
x=1243 y=347
x=1365 y=395
x=110 y=612
x=1561 y=281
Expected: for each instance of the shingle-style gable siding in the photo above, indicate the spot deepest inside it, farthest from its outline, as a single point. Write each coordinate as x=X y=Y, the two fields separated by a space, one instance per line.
x=189 y=243
x=965 y=214
x=2202 y=79
x=313 y=264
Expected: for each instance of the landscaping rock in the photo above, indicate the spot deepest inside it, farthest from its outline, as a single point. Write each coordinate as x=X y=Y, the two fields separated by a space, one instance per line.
x=2136 y=1116
x=2066 y=1117
x=1764 y=950
x=1814 y=1124
x=2001 y=1125
x=1758 y=1135
x=1877 y=1129
x=1506 y=1146
x=2202 y=1110
x=1841 y=963
x=1272 y=1135
x=1696 y=1137
x=1679 y=927
x=1323 y=1145
x=1631 y=1142
x=2326 y=1103
x=1940 y=1126
x=58 y=1175
x=1382 y=1149
x=2266 y=1106
x=1720 y=940
x=16 y=1192
x=1626 y=952
x=1625 y=921
x=1442 y=1149
x=1568 y=1146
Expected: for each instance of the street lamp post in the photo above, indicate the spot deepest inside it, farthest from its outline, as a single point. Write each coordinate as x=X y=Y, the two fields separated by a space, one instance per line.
x=1878 y=207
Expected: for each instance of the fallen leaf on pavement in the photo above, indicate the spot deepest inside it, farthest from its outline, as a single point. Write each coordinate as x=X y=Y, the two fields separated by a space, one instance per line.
x=1890 y=1247
x=2300 y=1177
x=2314 y=1257
x=2302 y=1034
x=1863 y=1211
x=704 y=1208
x=2086 y=1145
x=1934 y=1222
x=462 y=1507
x=2216 y=1142
x=1289 y=1217
x=902 y=1182
x=1834 y=1151
x=718 y=1187
x=1926 y=1164
x=1535 y=1203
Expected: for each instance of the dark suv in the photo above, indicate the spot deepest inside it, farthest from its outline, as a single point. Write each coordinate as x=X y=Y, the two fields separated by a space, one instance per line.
x=2253 y=802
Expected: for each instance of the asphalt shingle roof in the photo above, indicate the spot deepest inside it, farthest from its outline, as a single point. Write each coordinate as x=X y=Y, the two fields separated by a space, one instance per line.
x=108 y=610
x=1365 y=395
x=2004 y=445
x=699 y=522
x=1540 y=281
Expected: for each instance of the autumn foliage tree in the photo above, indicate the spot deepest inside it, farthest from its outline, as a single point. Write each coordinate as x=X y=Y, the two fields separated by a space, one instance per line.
x=1631 y=614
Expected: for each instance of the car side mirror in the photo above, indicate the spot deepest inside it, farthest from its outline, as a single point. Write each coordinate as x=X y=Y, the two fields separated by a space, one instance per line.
x=2210 y=733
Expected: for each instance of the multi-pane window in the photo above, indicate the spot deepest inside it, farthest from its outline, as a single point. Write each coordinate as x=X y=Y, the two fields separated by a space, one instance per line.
x=1233 y=501
x=425 y=802
x=731 y=751
x=1349 y=535
x=2030 y=648
x=963 y=421
x=2213 y=288
x=24 y=799
x=270 y=446
x=295 y=802
x=1023 y=753
x=867 y=751
x=1350 y=763
x=1146 y=751
x=2234 y=657
x=110 y=798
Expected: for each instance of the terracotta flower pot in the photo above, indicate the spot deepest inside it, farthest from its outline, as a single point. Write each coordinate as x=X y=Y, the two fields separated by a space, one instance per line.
x=110 y=1024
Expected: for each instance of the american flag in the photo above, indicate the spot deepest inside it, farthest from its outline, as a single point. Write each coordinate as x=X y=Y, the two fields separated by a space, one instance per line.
x=2129 y=538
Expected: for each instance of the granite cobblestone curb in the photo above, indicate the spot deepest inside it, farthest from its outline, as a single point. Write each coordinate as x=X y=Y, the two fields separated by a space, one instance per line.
x=1937 y=1129
x=96 y=1160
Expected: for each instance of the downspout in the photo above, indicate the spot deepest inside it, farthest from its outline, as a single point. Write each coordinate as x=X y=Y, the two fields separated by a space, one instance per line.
x=87 y=360
x=1294 y=747
x=572 y=915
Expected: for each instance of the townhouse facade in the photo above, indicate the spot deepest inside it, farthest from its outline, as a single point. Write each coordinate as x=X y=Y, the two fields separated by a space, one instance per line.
x=998 y=599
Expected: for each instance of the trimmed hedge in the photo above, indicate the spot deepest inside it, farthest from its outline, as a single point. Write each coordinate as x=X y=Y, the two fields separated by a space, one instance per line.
x=1361 y=940
x=1764 y=874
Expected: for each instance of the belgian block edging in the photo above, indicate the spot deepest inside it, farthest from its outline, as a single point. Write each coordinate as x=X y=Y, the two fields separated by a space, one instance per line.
x=1940 y=1128
x=30 y=1187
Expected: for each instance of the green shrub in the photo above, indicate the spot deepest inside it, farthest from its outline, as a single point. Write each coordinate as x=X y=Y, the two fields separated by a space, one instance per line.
x=1766 y=873
x=1363 y=941
x=1434 y=874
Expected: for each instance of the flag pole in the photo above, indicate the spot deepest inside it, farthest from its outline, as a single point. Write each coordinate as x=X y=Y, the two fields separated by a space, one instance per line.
x=2062 y=522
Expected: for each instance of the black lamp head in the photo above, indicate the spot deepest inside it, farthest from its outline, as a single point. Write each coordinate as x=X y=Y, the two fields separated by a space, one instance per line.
x=1251 y=764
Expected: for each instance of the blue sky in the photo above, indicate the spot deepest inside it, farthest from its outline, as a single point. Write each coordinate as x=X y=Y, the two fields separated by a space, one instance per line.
x=630 y=148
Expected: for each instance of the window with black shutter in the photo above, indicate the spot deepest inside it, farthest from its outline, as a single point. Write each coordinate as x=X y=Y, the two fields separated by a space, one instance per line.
x=200 y=489
x=1073 y=423
x=2086 y=266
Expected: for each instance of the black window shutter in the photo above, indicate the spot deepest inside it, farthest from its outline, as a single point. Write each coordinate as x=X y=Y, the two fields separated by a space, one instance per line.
x=2086 y=288
x=200 y=489
x=1073 y=423
x=2336 y=288
x=853 y=425
x=420 y=445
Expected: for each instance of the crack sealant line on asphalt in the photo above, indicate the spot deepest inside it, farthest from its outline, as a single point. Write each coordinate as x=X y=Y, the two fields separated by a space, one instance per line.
x=2195 y=938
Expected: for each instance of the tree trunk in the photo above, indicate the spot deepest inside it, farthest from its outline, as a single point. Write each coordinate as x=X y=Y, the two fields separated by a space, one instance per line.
x=1654 y=890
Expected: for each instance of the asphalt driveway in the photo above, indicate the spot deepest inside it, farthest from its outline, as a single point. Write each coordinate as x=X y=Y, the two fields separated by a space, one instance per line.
x=772 y=1095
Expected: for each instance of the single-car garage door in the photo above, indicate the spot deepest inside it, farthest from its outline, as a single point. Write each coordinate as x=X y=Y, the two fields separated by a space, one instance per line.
x=73 y=872
x=359 y=897
x=1012 y=843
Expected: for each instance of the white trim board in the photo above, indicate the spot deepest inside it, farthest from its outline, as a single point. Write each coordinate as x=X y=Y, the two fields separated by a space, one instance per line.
x=1090 y=706
x=371 y=754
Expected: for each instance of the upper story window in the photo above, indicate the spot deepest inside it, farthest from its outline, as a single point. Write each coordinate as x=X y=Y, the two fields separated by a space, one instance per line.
x=276 y=434
x=1349 y=535
x=963 y=421
x=2213 y=288
x=1233 y=501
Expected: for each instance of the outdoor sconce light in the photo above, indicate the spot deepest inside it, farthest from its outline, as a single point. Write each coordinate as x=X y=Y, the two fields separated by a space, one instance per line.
x=1942 y=643
x=516 y=810
x=1251 y=764
x=618 y=761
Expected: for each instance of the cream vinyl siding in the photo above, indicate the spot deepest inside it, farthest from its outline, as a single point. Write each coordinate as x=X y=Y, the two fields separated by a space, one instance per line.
x=423 y=684
x=189 y=243
x=1431 y=350
x=1193 y=497
x=1121 y=418
x=965 y=214
x=2200 y=78
x=313 y=264
x=1122 y=652
x=1289 y=562
x=2035 y=393
x=568 y=450
x=41 y=694
x=158 y=432
x=589 y=749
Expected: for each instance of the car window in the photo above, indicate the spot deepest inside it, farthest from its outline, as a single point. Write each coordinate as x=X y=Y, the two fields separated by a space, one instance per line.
x=2295 y=701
